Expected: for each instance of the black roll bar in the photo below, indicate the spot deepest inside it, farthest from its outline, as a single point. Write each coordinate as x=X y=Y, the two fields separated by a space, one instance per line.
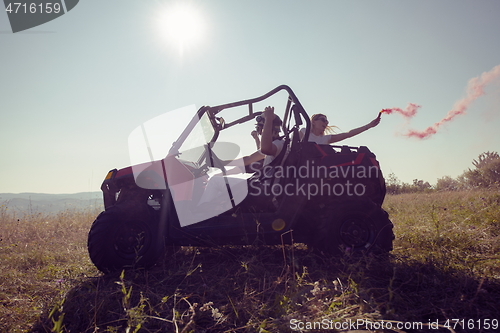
x=297 y=110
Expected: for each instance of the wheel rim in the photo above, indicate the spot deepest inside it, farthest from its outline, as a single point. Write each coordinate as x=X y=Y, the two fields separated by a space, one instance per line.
x=356 y=232
x=131 y=240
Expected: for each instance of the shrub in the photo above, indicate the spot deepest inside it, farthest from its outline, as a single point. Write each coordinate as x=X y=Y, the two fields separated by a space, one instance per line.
x=486 y=173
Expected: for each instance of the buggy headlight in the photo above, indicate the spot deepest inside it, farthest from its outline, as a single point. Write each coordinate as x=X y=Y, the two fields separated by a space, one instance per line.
x=110 y=174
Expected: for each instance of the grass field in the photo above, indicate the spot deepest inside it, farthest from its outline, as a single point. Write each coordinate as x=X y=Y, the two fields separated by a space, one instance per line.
x=443 y=276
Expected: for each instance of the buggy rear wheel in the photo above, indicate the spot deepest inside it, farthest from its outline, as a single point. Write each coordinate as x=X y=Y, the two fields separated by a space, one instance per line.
x=119 y=240
x=357 y=226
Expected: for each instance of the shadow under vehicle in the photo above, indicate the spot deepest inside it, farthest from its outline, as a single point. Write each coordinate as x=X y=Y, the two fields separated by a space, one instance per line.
x=328 y=197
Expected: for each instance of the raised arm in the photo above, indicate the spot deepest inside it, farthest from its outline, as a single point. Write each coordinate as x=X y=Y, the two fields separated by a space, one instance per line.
x=255 y=136
x=266 y=142
x=355 y=131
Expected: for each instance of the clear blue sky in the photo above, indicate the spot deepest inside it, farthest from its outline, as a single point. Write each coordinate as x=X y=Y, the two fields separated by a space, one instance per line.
x=73 y=89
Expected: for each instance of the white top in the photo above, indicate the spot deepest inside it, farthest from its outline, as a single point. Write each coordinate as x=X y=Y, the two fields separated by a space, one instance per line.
x=319 y=139
x=279 y=146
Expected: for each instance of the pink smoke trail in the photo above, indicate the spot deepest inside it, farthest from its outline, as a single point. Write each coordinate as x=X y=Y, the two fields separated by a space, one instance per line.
x=408 y=112
x=475 y=89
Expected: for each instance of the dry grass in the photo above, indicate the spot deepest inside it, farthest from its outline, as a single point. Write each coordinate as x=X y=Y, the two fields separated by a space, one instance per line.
x=453 y=229
x=445 y=265
x=42 y=257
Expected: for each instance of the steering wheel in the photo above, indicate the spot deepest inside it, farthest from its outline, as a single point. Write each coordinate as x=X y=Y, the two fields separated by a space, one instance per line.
x=209 y=160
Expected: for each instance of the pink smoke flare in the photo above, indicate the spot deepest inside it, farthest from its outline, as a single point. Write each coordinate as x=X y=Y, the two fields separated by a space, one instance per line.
x=475 y=89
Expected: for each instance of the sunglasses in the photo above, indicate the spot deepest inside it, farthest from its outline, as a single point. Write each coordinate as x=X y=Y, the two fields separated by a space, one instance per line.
x=323 y=119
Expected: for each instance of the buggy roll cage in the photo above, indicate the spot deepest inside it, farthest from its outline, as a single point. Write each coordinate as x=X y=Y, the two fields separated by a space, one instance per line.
x=293 y=108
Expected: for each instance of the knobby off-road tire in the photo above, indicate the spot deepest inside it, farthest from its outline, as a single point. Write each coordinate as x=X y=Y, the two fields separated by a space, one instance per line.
x=354 y=226
x=119 y=240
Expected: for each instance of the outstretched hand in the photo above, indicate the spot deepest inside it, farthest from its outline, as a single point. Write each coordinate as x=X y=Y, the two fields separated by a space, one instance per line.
x=269 y=113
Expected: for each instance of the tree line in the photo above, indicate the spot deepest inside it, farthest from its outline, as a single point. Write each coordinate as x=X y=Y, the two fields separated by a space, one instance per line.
x=485 y=174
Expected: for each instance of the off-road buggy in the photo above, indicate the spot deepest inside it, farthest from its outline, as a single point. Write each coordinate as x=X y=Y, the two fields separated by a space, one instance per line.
x=328 y=197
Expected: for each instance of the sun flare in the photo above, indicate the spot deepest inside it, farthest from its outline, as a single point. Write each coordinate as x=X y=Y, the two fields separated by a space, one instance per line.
x=182 y=25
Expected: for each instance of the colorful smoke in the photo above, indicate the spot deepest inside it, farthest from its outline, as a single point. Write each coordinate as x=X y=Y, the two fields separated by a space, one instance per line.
x=475 y=89
x=408 y=112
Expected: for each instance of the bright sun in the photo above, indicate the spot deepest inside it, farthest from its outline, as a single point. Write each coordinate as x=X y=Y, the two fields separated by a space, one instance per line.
x=181 y=24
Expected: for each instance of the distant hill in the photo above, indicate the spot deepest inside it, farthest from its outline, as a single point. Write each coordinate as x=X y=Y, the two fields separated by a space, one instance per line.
x=50 y=203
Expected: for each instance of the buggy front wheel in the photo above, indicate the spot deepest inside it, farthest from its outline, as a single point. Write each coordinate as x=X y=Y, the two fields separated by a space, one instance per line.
x=357 y=226
x=118 y=240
